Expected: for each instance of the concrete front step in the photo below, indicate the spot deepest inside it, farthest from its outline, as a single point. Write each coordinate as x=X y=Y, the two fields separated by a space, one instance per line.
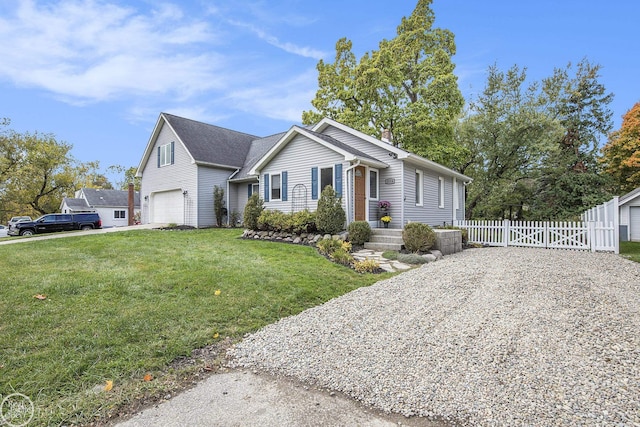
x=385 y=239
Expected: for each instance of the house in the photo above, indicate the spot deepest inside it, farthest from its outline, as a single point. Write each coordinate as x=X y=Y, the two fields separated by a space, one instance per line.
x=184 y=160
x=629 y=211
x=112 y=205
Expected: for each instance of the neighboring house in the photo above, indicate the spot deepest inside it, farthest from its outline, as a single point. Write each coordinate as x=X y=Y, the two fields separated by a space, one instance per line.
x=112 y=205
x=629 y=209
x=185 y=159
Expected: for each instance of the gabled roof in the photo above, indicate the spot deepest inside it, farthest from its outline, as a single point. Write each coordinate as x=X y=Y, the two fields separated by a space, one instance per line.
x=206 y=144
x=259 y=148
x=399 y=152
x=75 y=203
x=349 y=153
x=629 y=196
x=109 y=198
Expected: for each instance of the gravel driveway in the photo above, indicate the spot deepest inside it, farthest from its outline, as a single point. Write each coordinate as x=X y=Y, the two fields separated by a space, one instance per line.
x=495 y=336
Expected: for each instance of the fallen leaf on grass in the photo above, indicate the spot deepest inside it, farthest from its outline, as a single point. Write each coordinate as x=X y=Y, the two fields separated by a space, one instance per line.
x=148 y=377
x=108 y=386
x=40 y=296
x=216 y=335
x=217 y=292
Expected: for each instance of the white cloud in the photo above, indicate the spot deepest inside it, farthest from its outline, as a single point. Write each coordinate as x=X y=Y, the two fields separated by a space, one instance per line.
x=306 y=52
x=93 y=51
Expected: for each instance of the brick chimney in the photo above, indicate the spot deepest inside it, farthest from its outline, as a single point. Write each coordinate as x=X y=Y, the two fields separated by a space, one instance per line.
x=386 y=136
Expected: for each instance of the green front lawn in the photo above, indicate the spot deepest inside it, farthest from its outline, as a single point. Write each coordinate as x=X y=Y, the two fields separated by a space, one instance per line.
x=630 y=250
x=121 y=305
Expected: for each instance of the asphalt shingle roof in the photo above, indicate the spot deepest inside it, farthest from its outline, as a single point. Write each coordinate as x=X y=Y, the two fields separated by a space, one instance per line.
x=98 y=197
x=76 y=203
x=212 y=144
x=342 y=145
x=259 y=148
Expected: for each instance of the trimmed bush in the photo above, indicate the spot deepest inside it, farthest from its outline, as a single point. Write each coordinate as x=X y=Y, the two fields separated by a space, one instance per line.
x=252 y=211
x=330 y=216
x=411 y=258
x=329 y=246
x=418 y=237
x=366 y=266
x=341 y=256
x=274 y=220
x=359 y=232
x=303 y=222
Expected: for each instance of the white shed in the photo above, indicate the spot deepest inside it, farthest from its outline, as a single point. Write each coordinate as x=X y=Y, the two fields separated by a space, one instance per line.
x=629 y=208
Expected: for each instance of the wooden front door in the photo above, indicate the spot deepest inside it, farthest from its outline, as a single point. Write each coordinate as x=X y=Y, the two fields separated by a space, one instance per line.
x=360 y=189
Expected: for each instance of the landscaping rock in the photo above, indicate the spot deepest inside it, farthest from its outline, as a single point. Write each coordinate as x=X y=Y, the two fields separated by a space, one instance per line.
x=429 y=257
x=436 y=253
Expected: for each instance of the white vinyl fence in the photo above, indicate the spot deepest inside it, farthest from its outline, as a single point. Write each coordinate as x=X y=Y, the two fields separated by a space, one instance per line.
x=592 y=235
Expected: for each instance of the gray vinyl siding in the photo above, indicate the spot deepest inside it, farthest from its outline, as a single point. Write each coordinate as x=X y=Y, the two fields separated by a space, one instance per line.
x=390 y=191
x=429 y=213
x=461 y=208
x=239 y=196
x=180 y=175
x=208 y=178
x=297 y=158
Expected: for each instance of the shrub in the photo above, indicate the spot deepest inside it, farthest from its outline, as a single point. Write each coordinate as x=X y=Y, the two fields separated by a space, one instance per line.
x=359 y=232
x=303 y=222
x=411 y=258
x=341 y=256
x=234 y=219
x=218 y=204
x=330 y=216
x=346 y=246
x=366 y=266
x=329 y=246
x=273 y=220
x=418 y=237
x=252 y=211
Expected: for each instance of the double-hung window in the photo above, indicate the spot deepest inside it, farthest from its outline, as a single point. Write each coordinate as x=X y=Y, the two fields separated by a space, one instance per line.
x=326 y=177
x=119 y=214
x=275 y=187
x=165 y=154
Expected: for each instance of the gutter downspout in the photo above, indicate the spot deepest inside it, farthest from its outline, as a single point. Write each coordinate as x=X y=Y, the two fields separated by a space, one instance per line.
x=348 y=198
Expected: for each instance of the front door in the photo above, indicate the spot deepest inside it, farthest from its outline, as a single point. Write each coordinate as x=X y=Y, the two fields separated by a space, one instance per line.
x=360 y=189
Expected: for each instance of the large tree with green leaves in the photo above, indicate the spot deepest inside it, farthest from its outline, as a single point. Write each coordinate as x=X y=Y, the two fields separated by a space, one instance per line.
x=406 y=87
x=506 y=133
x=621 y=155
x=41 y=173
x=571 y=177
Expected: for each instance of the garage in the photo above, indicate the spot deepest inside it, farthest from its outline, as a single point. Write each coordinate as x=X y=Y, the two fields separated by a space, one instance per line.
x=167 y=207
x=634 y=223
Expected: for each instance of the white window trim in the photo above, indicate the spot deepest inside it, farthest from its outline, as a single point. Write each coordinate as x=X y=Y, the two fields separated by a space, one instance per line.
x=420 y=183
x=255 y=188
x=165 y=152
x=333 y=178
x=440 y=192
x=271 y=198
x=377 y=196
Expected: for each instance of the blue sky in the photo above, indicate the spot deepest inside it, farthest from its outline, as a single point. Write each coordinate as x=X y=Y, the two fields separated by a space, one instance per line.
x=97 y=73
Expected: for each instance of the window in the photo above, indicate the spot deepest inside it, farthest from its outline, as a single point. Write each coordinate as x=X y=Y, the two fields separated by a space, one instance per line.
x=255 y=188
x=441 y=192
x=419 y=188
x=119 y=214
x=275 y=187
x=326 y=177
x=373 y=184
x=165 y=154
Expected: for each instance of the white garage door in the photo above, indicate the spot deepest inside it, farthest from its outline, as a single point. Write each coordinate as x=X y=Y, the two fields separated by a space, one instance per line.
x=634 y=223
x=167 y=207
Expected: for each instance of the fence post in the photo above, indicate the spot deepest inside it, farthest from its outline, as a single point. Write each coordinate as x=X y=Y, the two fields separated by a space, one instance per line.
x=505 y=233
x=591 y=235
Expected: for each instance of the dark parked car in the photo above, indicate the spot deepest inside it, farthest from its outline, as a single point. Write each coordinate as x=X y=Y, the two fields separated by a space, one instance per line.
x=56 y=222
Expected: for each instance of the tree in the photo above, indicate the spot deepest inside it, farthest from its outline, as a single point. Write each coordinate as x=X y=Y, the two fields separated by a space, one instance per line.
x=129 y=176
x=622 y=152
x=407 y=87
x=42 y=172
x=506 y=133
x=571 y=179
